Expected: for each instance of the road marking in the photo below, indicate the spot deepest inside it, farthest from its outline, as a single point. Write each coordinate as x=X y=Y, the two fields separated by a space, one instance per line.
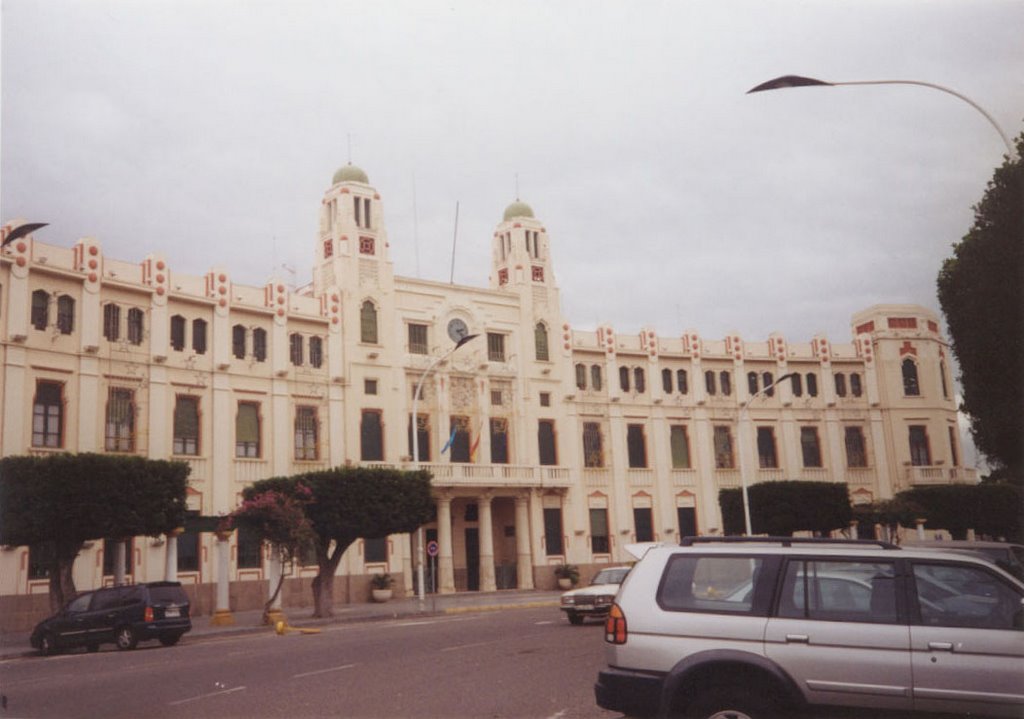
x=540 y=624
x=466 y=646
x=205 y=696
x=322 y=671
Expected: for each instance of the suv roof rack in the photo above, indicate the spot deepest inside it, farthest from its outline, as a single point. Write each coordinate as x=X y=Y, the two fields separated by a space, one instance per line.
x=784 y=541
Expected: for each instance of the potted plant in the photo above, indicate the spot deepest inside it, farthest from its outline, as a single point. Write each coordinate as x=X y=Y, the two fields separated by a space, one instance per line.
x=380 y=585
x=568 y=575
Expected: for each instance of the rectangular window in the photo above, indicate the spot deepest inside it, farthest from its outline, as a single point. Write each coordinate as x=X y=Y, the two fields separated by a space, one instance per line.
x=682 y=383
x=546 y=442
x=953 y=454
x=599 y=543
x=723 y=448
x=418 y=339
x=177 y=333
x=593 y=453
x=920 y=452
x=553 y=542
x=247 y=430
x=839 y=591
x=687 y=518
x=199 y=336
x=596 y=380
x=306 y=434
x=48 y=415
x=459 y=439
x=295 y=353
x=40 y=558
x=40 y=309
x=422 y=436
x=694 y=583
x=188 y=551
x=855 y=386
x=375 y=550
x=111 y=322
x=250 y=554
x=495 y=347
x=840 y=380
x=856 y=450
x=368 y=323
x=680 y=444
x=316 y=352
x=709 y=382
x=545 y=399
x=766 y=456
x=371 y=436
x=643 y=523
x=499 y=440
x=259 y=345
x=120 y=425
x=581 y=376
x=810 y=446
x=540 y=342
x=496 y=400
x=186 y=426
x=135 y=325
x=370 y=386
x=636 y=445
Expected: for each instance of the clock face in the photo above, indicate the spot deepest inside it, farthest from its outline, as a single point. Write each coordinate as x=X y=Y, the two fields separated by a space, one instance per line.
x=457 y=329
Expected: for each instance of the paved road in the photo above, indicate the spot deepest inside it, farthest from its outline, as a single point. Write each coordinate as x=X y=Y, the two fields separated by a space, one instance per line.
x=518 y=663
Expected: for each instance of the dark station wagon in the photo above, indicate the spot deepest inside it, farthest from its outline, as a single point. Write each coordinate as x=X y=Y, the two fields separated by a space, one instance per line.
x=122 y=615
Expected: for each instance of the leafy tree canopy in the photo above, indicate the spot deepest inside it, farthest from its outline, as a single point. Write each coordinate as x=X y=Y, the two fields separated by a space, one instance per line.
x=781 y=508
x=349 y=503
x=988 y=508
x=981 y=291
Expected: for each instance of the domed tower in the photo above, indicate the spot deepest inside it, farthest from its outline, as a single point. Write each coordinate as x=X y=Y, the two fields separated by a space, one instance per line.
x=520 y=253
x=352 y=248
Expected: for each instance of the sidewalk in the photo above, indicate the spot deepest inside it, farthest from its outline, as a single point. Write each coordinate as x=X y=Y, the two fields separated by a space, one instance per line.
x=16 y=644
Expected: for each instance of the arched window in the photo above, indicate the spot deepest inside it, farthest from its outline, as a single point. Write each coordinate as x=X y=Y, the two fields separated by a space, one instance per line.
x=855 y=387
x=178 y=333
x=769 y=382
x=259 y=344
x=66 y=314
x=238 y=341
x=368 y=323
x=942 y=378
x=709 y=382
x=40 y=309
x=581 y=376
x=725 y=381
x=681 y=382
x=911 y=388
x=639 y=383
x=295 y=352
x=666 y=381
x=316 y=351
x=595 y=378
x=199 y=336
x=797 y=383
x=812 y=384
x=540 y=340
x=624 y=378
x=112 y=322
x=752 y=383
x=840 y=379
x=135 y=325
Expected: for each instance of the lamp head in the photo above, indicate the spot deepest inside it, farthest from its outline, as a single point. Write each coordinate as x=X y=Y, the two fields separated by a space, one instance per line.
x=785 y=81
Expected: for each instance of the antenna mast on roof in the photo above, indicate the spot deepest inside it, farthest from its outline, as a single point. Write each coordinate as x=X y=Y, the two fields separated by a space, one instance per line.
x=451 y=278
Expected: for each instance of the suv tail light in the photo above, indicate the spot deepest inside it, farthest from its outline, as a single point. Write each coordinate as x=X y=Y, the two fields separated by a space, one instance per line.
x=615 y=626
x=148 y=616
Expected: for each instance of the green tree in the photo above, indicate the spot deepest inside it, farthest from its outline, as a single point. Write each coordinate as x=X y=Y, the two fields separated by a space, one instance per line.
x=349 y=503
x=61 y=501
x=280 y=520
x=981 y=291
x=781 y=508
x=988 y=508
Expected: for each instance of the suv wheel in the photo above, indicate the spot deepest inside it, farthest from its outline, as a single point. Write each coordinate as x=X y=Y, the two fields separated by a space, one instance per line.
x=126 y=638
x=736 y=703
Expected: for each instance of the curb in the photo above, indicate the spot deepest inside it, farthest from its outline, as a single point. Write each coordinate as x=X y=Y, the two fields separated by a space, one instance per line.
x=501 y=607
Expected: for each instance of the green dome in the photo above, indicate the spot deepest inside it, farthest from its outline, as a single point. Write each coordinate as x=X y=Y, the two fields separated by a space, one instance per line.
x=350 y=173
x=518 y=209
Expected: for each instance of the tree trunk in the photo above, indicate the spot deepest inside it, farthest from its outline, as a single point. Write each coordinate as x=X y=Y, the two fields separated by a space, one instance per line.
x=323 y=582
x=62 y=580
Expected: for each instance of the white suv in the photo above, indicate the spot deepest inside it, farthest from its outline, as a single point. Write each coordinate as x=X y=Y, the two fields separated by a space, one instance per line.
x=754 y=627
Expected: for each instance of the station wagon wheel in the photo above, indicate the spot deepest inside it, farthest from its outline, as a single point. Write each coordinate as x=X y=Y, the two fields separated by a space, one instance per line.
x=47 y=645
x=126 y=638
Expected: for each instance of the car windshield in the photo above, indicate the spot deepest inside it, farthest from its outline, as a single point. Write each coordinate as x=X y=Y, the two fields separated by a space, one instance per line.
x=610 y=576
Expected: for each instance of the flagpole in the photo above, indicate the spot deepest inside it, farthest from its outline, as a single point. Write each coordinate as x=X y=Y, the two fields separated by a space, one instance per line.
x=420 y=590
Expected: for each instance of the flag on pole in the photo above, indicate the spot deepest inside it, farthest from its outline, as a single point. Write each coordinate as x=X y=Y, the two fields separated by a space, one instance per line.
x=450 y=440
x=476 y=442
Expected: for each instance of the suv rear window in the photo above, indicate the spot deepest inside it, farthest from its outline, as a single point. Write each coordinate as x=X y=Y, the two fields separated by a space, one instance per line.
x=694 y=583
x=168 y=595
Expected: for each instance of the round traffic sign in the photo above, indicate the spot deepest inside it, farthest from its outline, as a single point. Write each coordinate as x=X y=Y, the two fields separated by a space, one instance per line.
x=432 y=548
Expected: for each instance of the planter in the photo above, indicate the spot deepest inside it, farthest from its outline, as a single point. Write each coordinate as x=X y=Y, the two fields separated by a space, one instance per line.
x=565 y=582
x=381 y=595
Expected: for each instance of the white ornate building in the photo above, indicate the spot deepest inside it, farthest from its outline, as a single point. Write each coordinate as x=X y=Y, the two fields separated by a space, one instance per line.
x=546 y=444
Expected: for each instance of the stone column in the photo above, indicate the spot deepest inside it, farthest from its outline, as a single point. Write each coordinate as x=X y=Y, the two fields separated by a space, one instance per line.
x=920 y=522
x=445 y=561
x=171 y=556
x=524 y=562
x=120 y=550
x=222 y=615
x=487 y=583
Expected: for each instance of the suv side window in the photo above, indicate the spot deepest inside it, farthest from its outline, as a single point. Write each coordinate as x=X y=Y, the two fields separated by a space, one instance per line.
x=80 y=604
x=839 y=591
x=693 y=583
x=106 y=599
x=954 y=595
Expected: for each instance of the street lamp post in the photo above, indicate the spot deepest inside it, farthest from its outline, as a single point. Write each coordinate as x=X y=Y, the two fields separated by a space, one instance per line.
x=416 y=453
x=744 y=413
x=785 y=81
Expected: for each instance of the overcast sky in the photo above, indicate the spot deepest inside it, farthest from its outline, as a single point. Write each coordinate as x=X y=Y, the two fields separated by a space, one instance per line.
x=209 y=130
